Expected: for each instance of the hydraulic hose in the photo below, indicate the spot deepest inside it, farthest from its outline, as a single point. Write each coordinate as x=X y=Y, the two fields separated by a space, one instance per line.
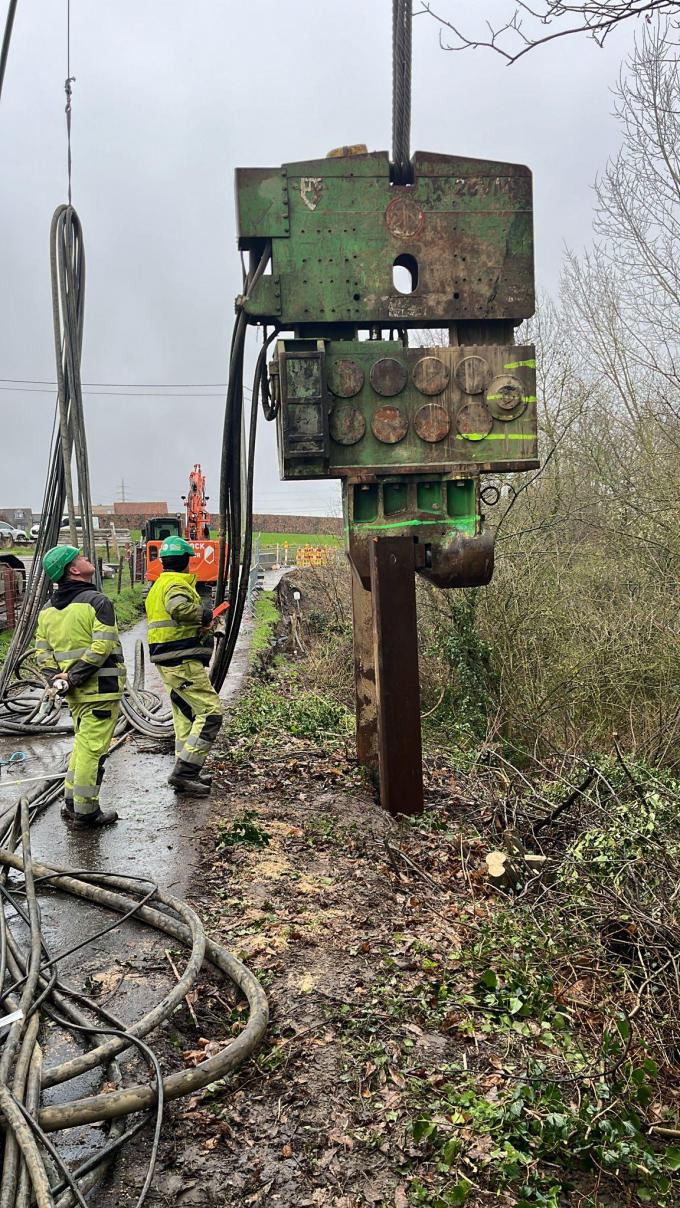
x=116 y=1103
x=234 y=566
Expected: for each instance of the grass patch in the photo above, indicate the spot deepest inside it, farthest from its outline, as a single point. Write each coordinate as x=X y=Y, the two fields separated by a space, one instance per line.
x=266 y=616
x=267 y=539
x=129 y=603
x=5 y=639
x=267 y=715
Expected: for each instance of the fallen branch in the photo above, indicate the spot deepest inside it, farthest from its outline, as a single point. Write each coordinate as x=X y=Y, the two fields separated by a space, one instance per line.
x=175 y=970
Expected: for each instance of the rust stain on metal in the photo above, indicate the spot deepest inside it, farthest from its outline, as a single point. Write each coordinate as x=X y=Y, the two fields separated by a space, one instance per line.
x=472 y=374
x=388 y=376
x=404 y=218
x=345 y=378
x=474 y=420
x=430 y=375
x=389 y=425
x=432 y=423
x=347 y=425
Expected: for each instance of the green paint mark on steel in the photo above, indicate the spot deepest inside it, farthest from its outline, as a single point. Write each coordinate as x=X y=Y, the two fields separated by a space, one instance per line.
x=530 y=364
x=497 y=436
x=526 y=398
x=464 y=523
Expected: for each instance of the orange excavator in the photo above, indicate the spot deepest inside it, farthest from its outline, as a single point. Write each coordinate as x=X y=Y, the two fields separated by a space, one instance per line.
x=194 y=526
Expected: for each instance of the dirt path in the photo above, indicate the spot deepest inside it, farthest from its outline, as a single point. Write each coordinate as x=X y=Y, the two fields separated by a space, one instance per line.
x=312 y=903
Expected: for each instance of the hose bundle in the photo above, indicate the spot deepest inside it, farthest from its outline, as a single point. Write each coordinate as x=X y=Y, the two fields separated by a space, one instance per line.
x=21 y=709
x=30 y=988
x=236 y=513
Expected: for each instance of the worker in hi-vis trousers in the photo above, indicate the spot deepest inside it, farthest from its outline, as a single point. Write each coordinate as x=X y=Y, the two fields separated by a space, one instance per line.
x=78 y=651
x=180 y=645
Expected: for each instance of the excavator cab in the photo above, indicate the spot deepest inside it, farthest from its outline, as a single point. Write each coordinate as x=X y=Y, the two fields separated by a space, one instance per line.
x=160 y=527
x=204 y=565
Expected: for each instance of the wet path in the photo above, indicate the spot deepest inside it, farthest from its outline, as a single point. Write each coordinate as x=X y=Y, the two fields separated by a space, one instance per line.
x=154 y=835
x=155 y=838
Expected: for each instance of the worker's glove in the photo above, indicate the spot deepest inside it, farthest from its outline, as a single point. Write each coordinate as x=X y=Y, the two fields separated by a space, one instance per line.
x=60 y=686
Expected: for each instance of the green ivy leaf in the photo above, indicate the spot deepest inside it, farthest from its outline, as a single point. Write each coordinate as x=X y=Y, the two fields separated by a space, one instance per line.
x=672 y=1157
x=423 y=1129
x=459 y=1194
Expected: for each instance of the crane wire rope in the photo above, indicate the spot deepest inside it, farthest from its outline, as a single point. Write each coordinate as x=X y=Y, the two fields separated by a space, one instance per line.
x=402 y=24
x=6 y=39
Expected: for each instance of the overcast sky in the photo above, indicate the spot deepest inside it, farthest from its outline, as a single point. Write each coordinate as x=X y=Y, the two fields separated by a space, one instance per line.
x=169 y=98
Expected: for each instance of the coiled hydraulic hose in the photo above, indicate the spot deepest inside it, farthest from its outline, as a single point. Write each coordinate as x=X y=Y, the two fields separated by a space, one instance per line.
x=115 y=1103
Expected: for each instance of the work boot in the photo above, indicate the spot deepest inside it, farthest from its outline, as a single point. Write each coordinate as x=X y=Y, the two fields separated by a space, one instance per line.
x=190 y=786
x=89 y=821
x=205 y=776
x=187 y=778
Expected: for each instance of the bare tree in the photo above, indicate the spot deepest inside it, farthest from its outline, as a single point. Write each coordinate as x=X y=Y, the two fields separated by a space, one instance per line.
x=638 y=207
x=533 y=24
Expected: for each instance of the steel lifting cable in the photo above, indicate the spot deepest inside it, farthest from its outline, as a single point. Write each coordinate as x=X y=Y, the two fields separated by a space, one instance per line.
x=402 y=22
x=67 y=266
x=7 y=37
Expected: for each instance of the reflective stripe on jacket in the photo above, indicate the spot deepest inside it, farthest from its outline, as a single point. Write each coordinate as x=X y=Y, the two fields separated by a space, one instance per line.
x=77 y=633
x=175 y=615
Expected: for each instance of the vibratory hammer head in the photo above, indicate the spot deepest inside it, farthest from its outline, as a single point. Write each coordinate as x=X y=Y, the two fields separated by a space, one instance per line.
x=462 y=233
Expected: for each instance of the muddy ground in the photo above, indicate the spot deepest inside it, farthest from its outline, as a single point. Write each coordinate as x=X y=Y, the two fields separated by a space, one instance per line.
x=313 y=1120
x=393 y=971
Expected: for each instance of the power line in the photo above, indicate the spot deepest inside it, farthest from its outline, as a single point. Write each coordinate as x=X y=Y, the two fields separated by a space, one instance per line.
x=117 y=393
x=147 y=385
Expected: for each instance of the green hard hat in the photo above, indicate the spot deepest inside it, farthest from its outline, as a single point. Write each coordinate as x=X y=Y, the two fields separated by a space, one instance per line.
x=57 y=559
x=173 y=547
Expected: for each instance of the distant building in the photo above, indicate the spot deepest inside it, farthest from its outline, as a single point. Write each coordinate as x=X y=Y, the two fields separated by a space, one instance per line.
x=128 y=508
x=21 y=518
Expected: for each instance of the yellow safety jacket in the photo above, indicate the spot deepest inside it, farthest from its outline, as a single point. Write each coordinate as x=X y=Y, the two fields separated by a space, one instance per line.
x=77 y=634
x=175 y=614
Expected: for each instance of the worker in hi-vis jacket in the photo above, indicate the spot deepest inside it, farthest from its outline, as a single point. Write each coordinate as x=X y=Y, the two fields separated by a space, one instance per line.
x=180 y=645
x=78 y=651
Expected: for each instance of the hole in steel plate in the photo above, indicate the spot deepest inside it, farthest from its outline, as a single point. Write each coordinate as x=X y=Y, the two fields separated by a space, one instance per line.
x=405 y=273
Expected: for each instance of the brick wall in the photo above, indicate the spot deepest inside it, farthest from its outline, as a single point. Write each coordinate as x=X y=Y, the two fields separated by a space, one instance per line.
x=265 y=523
x=128 y=520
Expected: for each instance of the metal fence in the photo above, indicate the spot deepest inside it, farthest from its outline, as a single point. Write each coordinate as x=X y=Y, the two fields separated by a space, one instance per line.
x=12 y=584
